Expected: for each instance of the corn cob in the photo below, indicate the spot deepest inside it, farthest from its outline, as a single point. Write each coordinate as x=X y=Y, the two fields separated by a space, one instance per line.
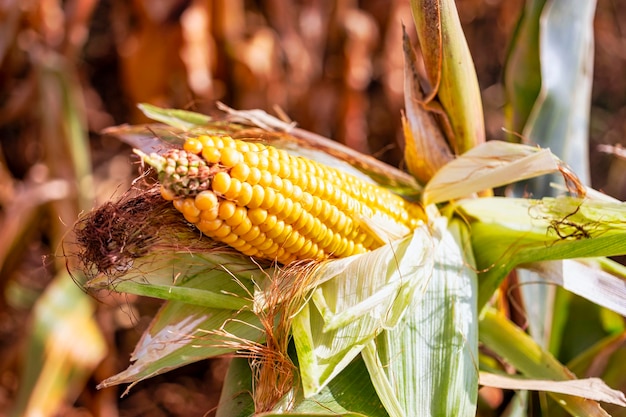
x=266 y=203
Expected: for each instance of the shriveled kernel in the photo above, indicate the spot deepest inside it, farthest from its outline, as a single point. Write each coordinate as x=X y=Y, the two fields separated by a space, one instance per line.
x=193 y=145
x=167 y=193
x=206 y=200
x=178 y=204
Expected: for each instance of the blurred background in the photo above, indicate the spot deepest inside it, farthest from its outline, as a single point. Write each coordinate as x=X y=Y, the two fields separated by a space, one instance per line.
x=69 y=69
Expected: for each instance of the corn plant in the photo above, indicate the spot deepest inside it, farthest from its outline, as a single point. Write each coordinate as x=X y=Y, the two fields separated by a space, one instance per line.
x=341 y=285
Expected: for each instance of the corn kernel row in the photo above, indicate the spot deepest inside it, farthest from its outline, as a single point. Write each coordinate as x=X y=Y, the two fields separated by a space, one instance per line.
x=269 y=204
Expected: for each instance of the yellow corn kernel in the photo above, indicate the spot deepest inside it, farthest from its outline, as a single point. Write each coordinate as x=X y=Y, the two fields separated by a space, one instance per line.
x=245 y=195
x=230 y=157
x=257 y=215
x=206 y=200
x=266 y=203
x=234 y=189
x=227 y=210
x=193 y=145
x=221 y=182
x=241 y=171
x=238 y=217
x=211 y=155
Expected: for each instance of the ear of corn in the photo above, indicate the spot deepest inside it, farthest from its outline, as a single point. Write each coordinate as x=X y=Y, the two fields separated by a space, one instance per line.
x=269 y=204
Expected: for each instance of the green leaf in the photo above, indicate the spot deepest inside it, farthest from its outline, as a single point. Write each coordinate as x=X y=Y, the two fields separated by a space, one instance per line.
x=508 y=232
x=426 y=366
x=182 y=334
x=206 y=279
x=64 y=347
x=560 y=117
x=181 y=119
x=358 y=298
x=350 y=394
x=521 y=351
x=522 y=72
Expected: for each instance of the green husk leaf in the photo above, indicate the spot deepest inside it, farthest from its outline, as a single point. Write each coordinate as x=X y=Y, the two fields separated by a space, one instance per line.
x=508 y=232
x=358 y=298
x=490 y=165
x=206 y=279
x=181 y=334
x=426 y=366
x=349 y=394
x=181 y=119
x=511 y=343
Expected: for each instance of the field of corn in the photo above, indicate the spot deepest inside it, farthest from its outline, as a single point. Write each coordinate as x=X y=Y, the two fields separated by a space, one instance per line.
x=123 y=291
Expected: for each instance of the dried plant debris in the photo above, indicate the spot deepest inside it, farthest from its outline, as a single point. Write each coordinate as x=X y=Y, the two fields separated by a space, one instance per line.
x=141 y=222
